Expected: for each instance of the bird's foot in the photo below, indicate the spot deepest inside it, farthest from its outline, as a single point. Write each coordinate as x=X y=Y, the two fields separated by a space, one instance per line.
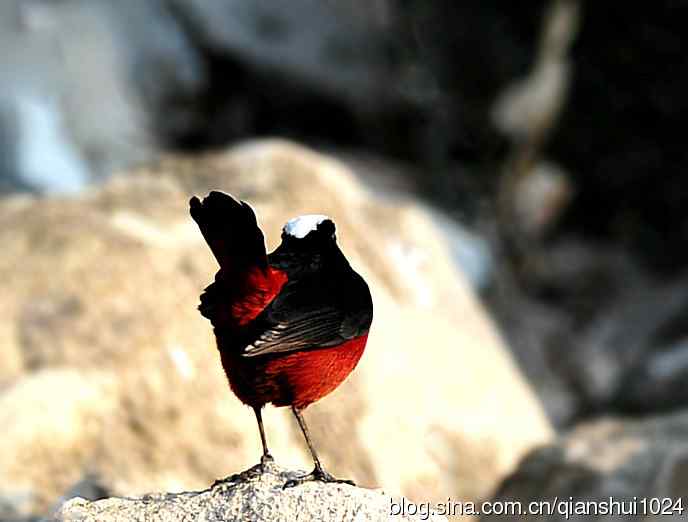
x=254 y=472
x=318 y=475
x=262 y=467
x=265 y=461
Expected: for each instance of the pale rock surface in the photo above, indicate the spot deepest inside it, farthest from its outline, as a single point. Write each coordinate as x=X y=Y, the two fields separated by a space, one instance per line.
x=111 y=370
x=254 y=496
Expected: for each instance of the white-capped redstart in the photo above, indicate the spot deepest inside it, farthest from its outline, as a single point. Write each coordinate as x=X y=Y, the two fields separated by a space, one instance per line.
x=290 y=326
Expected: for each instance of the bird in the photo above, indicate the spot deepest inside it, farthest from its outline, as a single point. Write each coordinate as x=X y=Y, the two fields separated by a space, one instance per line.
x=289 y=326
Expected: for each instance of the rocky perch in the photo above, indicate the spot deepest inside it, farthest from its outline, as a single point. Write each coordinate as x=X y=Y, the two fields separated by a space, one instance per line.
x=252 y=495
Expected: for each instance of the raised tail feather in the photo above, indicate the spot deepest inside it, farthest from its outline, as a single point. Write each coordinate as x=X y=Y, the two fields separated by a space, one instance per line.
x=211 y=304
x=229 y=227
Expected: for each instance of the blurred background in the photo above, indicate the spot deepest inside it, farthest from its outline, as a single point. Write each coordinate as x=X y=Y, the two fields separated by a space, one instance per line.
x=516 y=167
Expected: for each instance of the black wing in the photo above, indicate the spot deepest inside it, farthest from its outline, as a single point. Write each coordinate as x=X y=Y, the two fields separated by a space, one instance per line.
x=310 y=314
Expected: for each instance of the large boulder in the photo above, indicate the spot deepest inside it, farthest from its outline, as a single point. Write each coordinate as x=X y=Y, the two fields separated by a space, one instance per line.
x=107 y=367
x=251 y=495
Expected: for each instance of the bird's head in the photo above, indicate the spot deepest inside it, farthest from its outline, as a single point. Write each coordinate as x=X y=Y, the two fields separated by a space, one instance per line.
x=309 y=229
x=307 y=241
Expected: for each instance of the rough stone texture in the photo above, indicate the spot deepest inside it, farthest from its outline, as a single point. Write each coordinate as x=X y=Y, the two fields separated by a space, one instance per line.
x=608 y=458
x=250 y=496
x=108 y=368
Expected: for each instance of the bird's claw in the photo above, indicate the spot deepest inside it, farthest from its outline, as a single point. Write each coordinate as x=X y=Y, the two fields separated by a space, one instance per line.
x=254 y=472
x=265 y=460
x=317 y=475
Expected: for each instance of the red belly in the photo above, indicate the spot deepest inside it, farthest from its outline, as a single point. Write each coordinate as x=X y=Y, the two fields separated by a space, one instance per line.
x=293 y=379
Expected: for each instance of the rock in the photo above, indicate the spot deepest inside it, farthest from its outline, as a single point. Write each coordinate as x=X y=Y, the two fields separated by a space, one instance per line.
x=94 y=87
x=11 y=506
x=250 y=495
x=655 y=381
x=614 y=458
x=539 y=198
x=595 y=333
x=306 y=41
x=68 y=112
x=114 y=372
x=62 y=416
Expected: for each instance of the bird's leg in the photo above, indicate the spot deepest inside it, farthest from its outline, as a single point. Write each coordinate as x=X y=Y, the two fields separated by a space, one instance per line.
x=318 y=472
x=266 y=454
x=258 y=469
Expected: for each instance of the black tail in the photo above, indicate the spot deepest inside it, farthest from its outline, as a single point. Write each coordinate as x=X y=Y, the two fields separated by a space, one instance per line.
x=229 y=227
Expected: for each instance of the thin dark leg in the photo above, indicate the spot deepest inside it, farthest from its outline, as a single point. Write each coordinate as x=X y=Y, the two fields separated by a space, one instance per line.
x=258 y=469
x=266 y=454
x=307 y=435
x=318 y=472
